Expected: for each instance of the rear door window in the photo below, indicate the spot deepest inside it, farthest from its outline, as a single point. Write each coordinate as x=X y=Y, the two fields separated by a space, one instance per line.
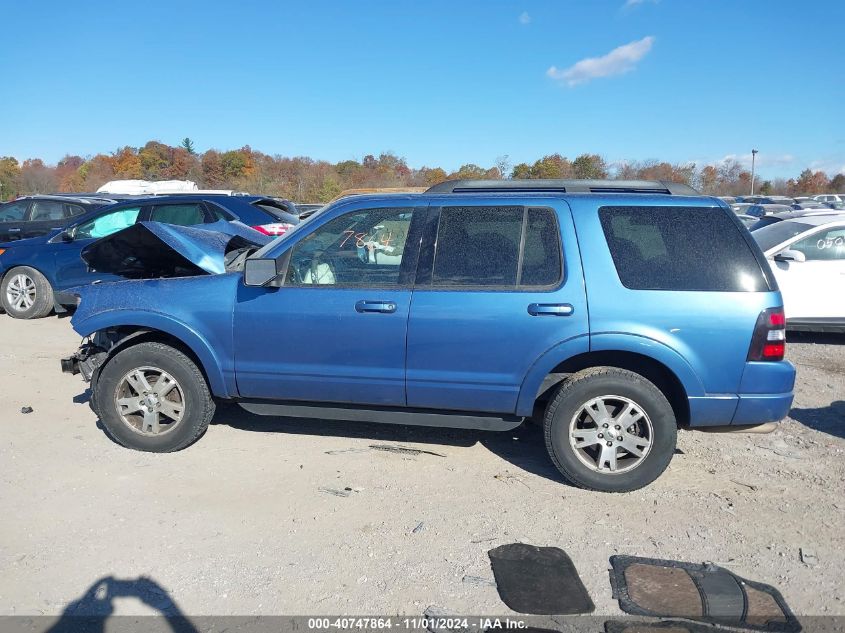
x=180 y=214
x=13 y=212
x=680 y=248
x=46 y=210
x=496 y=247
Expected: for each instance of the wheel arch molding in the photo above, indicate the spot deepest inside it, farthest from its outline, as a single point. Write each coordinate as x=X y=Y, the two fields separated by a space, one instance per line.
x=658 y=363
x=135 y=327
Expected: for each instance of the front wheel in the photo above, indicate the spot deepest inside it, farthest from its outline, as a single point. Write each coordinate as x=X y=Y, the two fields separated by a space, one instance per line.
x=152 y=397
x=610 y=429
x=26 y=294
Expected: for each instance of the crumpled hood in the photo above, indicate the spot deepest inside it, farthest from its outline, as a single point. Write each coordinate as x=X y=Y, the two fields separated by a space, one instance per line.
x=153 y=249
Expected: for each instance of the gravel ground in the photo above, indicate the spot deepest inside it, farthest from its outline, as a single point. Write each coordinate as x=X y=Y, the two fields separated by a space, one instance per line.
x=249 y=521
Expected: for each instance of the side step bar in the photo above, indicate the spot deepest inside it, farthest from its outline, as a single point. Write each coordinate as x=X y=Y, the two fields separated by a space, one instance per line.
x=384 y=415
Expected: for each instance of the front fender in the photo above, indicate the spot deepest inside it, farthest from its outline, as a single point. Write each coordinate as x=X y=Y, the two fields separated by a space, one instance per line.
x=221 y=383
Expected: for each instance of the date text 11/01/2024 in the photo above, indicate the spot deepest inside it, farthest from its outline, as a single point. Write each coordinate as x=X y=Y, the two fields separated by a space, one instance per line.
x=454 y=623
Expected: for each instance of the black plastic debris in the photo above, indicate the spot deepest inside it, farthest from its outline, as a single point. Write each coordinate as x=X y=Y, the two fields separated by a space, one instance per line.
x=538 y=580
x=709 y=593
x=27 y=409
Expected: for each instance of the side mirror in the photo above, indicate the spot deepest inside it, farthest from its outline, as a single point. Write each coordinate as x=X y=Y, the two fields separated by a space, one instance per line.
x=260 y=273
x=788 y=255
x=67 y=235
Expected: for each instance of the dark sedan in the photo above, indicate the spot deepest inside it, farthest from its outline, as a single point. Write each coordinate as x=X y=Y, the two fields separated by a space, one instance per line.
x=33 y=216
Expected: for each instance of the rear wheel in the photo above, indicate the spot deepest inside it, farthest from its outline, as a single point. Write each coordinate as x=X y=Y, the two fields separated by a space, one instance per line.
x=26 y=294
x=610 y=429
x=152 y=397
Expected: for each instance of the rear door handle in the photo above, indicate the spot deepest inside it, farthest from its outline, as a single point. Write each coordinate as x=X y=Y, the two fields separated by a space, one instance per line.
x=385 y=307
x=13 y=230
x=550 y=309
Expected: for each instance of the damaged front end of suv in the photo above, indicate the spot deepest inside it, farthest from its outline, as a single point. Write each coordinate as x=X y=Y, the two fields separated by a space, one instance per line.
x=162 y=264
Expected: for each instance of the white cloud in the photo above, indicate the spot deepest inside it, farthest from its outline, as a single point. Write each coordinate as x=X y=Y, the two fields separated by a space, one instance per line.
x=762 y=160
x=524 y=18
x=620 y=60
x=828 y=165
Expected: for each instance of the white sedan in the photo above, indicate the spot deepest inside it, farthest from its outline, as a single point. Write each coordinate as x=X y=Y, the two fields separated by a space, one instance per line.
x=807 y=256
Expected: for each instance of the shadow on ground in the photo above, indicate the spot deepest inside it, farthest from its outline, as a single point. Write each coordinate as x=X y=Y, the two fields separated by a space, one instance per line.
x=818 y=338
x=830 y=419
x=523 y=447
x=91 y=611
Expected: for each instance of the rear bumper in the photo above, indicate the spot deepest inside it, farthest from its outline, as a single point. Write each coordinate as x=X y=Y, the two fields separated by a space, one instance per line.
x=765 y=395
x=759 y=409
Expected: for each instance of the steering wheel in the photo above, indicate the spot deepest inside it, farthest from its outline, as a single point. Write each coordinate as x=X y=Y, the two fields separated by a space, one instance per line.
x=307 y=273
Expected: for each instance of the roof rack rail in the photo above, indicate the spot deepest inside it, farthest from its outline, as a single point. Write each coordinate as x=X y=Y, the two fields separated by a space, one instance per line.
x=565 y=186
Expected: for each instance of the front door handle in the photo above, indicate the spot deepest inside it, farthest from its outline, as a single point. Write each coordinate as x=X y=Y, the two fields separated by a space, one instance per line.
x=14 y=230
x=550 y=309
x=385 y=307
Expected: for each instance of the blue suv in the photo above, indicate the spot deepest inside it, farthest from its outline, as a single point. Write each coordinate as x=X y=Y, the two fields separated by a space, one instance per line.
x=615 y=311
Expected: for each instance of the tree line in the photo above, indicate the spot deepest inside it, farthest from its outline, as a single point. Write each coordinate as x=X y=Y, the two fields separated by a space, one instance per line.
x=304 y=179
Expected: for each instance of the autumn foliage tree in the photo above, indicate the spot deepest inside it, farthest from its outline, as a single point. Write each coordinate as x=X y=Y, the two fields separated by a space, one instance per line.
x=304 y=179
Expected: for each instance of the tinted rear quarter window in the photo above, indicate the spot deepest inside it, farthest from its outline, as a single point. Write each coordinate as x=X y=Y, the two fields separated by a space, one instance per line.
x=680 y=248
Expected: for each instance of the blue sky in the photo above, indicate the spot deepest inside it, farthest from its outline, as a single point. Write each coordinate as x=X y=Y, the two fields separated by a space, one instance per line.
x=438 y=82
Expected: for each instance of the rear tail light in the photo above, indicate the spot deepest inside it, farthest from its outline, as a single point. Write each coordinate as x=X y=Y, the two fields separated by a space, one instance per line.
x=273 y=229
x=769 y=340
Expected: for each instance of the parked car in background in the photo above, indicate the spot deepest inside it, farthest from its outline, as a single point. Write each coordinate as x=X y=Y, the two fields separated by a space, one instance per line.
x=808 y=204
x=837 y=206
x=747 y=220
x=308 y=207
x=729 y=200
x=830 y=197
x=391 y=308
x=766 y=220
x=33 y=270
x=740 y=207
x=32 y=216
x=807 y=256
x=769 y=200
x=759 y=210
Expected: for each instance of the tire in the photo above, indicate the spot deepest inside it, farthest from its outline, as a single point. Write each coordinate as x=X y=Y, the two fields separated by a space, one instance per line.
x=38 y=294
x=126 y=421
x=624 y=395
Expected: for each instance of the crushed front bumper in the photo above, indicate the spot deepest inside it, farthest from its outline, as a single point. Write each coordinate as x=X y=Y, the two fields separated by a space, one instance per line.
x=87 y=360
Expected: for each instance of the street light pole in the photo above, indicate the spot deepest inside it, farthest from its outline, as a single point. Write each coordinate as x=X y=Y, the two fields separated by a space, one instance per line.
x=753 y=156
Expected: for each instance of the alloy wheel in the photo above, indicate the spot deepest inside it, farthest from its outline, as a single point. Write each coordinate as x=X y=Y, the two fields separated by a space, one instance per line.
x=150 y=401
x=611 y=434
x=21 y=292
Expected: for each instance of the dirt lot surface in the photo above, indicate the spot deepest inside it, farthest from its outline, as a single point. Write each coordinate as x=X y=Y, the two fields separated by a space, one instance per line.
x=272 y=516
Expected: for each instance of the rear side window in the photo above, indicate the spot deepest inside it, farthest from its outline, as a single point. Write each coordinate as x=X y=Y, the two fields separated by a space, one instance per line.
x=502 y=247
x=74 y=209
x=44 y=210
x=680 y=248
x=180 y=214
